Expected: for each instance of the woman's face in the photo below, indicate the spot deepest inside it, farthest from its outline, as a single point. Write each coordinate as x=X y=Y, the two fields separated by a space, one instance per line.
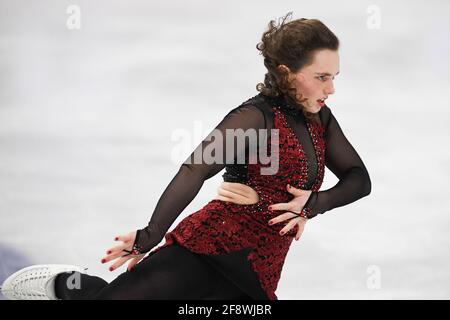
x=315 y=81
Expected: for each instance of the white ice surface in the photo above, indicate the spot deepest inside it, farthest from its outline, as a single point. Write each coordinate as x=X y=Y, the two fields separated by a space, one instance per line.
x=85 y=135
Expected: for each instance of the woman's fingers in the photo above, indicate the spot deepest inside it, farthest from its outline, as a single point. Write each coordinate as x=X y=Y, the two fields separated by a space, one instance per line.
x=116 y=249
x=219 y=197
x=134 y=261
x=240 y=189
x=296 y=192
x=280 y=206
x=237 y=195
x=237 y=188
x=289 y=226
x=301 y=227
x=114 y=252
x=120 y=261
x=295 y=203
x=113 y=255
x=119 y=252
x=300 y=222
x=292 y=219
x=229 y=194
x=282 y=217
x=124 y=238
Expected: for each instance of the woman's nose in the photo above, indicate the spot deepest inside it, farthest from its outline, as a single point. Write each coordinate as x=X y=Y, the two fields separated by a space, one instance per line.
x=330 y=89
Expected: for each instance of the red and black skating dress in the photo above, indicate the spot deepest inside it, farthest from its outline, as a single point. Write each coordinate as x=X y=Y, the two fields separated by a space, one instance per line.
x=236 y=239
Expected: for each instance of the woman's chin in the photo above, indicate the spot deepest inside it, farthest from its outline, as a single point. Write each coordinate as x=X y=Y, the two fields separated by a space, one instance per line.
x=314 y=109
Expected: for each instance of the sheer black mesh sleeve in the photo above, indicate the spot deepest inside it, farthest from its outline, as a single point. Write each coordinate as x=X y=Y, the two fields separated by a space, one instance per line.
x=188 y=181
x=343 y=160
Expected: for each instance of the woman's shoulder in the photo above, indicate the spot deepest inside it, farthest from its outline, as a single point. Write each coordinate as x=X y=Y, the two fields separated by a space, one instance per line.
x=257 y=101
x=257 y=106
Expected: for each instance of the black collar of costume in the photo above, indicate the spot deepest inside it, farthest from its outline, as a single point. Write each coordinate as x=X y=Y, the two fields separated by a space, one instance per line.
x=282 y=104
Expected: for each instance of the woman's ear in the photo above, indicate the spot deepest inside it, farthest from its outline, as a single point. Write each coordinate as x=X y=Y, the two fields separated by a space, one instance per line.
x=300 y=76
x=283 y=69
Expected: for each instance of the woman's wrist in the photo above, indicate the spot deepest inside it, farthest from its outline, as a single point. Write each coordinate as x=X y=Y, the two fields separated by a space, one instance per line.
x=148 y=237
x=137 y=248
x=308 y=208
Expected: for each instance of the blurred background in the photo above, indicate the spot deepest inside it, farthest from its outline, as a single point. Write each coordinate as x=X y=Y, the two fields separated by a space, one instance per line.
x=91 y=93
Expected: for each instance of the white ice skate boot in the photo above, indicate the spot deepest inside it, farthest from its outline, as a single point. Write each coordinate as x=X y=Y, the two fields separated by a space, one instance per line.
x=35 y=282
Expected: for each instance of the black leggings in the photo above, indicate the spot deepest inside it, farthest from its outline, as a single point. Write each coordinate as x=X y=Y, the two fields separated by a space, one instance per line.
x=172 y=273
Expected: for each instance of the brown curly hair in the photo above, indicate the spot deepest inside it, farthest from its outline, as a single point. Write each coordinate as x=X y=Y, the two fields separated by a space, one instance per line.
x=292 y=44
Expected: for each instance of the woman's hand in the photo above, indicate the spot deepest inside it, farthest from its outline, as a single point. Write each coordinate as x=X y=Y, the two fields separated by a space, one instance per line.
x=122 y=252
x=295 y=205
x=242 y=194
x=238 y=193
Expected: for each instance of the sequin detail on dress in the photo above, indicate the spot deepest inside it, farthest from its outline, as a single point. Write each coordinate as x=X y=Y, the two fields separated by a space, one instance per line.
x=222 y=227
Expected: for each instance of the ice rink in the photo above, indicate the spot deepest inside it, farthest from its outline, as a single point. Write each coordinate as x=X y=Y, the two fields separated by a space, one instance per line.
x=87 y=117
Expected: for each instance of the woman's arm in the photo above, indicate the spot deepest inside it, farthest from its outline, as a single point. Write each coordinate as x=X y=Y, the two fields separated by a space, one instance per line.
x=341 y=158
x=188 y=181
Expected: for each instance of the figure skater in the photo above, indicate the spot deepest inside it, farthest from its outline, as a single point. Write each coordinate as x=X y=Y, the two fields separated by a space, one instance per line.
x=235 y=246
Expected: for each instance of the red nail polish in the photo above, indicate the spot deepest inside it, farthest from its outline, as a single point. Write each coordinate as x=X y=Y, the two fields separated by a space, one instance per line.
x=111 y=268
x=108 y=252
x=270 y=223
x=270 y=207
x=117 y=238
x=103 y=260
